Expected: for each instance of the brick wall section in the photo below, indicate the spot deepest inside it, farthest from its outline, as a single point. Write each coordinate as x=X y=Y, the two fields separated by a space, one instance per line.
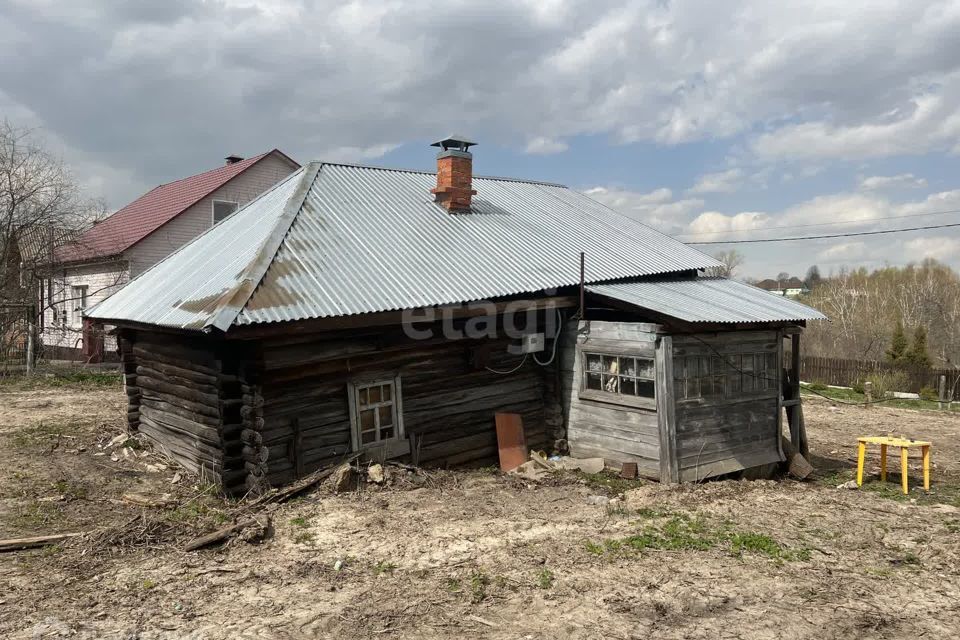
x=198 y=218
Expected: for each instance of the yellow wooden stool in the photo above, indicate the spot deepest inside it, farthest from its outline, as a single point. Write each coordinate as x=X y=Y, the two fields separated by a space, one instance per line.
x=904 y=444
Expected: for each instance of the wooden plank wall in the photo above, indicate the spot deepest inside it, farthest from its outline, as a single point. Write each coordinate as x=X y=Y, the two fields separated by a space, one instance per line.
x=732 y=433
x=599 y=429
x=303 y=412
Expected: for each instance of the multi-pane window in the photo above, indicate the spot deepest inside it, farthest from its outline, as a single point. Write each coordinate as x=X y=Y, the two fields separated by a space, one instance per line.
x=222 y=210
x=376 y=416
x=724 y=376
x=617 y=377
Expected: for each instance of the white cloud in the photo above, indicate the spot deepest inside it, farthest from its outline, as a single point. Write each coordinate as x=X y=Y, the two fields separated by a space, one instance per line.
x=817 y=80
x=843 y=253
x=544 y=146
x=655 y=208
x=900 y=181
x=938 y=248
x=721 y=182
x=713 y=222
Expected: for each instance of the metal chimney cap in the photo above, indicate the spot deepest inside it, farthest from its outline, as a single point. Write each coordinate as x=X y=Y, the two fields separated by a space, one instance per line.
x=233 y=159
x=454 y=142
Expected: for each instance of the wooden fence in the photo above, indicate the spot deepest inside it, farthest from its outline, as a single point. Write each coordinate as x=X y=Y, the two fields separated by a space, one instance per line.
x=842 y=372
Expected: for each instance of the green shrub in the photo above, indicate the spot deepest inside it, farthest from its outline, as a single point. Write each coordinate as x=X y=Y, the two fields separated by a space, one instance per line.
x=817 y=386
x=929 y=393
x=883 y=382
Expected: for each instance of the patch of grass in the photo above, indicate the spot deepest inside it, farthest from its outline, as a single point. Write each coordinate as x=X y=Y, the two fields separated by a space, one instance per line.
x=454 y=585
x=197 y=512
x=617 y=509
x=545 y=578
x=680 y=532
x=479 y=581
x=852 y=395
x=299 y=521
x=953 y=526
x=71 y=490
x=649 y=512
x=607 y=482
x=305 y=537
x=384 y=566
x=79 y=378
x=148 y=584
x=40 y=434
x=37 y=515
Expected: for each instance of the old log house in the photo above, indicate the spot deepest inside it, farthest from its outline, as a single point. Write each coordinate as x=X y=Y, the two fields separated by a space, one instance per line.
x=394 y=312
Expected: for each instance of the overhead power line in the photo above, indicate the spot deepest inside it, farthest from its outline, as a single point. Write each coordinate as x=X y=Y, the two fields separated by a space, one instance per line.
x=823 y=224
x=832 y=235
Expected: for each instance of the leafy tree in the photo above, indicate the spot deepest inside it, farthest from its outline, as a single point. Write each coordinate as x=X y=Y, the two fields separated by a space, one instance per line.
x=813 y=277
x=917 y=355
x=783 y=276
x=898 y=344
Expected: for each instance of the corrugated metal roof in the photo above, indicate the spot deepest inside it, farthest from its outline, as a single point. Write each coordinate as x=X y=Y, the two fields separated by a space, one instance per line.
x=362 y=239
x=708 y=300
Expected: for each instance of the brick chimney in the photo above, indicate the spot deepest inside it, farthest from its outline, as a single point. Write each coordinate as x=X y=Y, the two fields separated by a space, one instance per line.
x=454 y=174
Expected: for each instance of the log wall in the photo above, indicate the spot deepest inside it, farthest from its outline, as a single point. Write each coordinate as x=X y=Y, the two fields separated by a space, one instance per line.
x=185 y=397
x=448 y=398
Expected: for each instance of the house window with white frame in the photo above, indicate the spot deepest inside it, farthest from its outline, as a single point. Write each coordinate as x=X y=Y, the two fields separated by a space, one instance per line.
x=377 y=416
x=78 y=302
x=223 y=209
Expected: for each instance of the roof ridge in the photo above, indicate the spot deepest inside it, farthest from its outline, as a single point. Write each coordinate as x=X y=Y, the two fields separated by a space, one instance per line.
x=357 y=165
x=227 y=311
x=251 y=160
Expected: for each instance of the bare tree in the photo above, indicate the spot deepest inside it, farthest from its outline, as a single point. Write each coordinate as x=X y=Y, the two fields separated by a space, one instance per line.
x=40 y=208
x=732 y=260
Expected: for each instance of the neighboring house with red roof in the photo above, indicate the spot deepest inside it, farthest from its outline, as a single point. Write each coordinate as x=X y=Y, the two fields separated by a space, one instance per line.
x=141 y=234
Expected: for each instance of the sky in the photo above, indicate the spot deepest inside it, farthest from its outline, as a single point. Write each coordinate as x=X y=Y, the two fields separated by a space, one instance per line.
x=710 y=121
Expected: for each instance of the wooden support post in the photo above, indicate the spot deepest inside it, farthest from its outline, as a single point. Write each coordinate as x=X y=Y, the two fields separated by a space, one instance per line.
x=942 y=391
x=861 y=454
x=883 y=463
x=904 y=477
x=868 y=393
x=30 y=347
x=926 y=467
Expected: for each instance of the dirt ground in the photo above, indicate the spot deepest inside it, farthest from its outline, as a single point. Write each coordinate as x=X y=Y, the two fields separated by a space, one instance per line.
x=474 y=553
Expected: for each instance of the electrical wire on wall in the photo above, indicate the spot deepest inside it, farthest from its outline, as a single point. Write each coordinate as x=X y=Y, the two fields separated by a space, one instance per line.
x=553 y=354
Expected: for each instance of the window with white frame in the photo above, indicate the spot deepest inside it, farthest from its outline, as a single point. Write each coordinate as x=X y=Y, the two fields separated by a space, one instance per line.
x=223 y=209
x=78 y=302
x=617 y=378
x=377 y=415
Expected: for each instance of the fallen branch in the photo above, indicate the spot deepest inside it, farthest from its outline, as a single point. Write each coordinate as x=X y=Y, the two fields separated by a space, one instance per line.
x=312 y=480
x=222 y=535
x=18 y=544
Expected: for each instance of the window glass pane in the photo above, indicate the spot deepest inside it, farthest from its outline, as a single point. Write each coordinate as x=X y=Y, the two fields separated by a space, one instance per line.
x=363 y=397
x=593 y=362
x=679 y=368
x=386 y=415
x=386 y=434
x=716 y=364
x=628 y=367
x=374 y=394
x=645 y=368
x=747 y=362
x=645 y=388
x=680 y=389
x=734 y=383
x=386 y=392
x=693 y=388
x=718 y=383
x=759 y=362
x=704 y=366
x=609 y=364
x=367 y=420
x=610 y=383
x=593 y=381
x=747 y=382
x=771 y=361
x=692 y=369
x=366 y=437
x=628 y=387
